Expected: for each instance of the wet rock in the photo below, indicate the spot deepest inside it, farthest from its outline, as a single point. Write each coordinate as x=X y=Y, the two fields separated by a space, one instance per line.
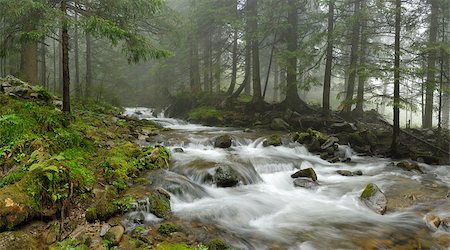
x=274 y=140
x=159 y=204
x=358 y=172
x=409 y=166
x=178 y=150
x=349 y=173
x=104 y=229
x=226 y=177
x=314 y=145
x=223 y=141
x=279 y=124
x=345 y=172
x=114 y=234
x=433 y=221
x=374 y=198
x=17 y=240
x=305 y=183
x=308 y=173
x=329 y=143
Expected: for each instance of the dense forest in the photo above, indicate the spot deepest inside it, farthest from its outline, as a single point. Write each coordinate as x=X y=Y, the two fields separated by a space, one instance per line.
x=317 y=90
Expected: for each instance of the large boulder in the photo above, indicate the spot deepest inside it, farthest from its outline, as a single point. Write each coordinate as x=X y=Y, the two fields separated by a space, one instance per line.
x=307 y=173
x=374 y=198
x=114 y=234
x=343 y=127
x=226 y=176
x=223 y=141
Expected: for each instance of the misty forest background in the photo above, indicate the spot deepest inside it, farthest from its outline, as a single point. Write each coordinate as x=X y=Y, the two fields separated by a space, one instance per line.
x=143 y=53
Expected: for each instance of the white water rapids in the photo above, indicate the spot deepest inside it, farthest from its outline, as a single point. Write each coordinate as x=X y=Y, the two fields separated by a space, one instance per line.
x=270 y=213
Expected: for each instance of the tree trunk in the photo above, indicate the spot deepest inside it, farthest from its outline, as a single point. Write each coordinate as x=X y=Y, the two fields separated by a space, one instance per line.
x=253 y=29
x=55 y=62
x=44 y=65
x=78 y=88
x=396 y=127
x=194 y=65
x=431 y=68
x=88 y=89
x=446 y=84
x=276 y=82
x=353 y=60
x=65 y=60
x=292 y=98
x=329 y=61
x=234 y=63
x=29 y=62
x=362 y=64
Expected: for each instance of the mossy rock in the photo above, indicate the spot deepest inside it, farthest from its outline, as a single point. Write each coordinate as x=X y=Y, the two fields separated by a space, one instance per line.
x=314 y=145
x=18 y=241
x=226 y=176
x=374 y=198
x=207 y=115
x=223 y=141
x=168 y=228
x=160 y=204
x=218 y=244
x=307 y=173
x=274 y=140
x=16 y=206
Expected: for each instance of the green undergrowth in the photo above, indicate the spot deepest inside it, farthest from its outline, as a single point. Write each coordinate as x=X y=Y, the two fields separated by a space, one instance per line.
x=52 y=157
x=205 y=114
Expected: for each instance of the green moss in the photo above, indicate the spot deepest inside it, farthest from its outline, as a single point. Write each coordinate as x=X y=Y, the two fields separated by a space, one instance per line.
x=368 y=191
x=159 y=204
x=91 y=214
x=218 y=244
x=208 y=115
x=172 y=246
x=168 y=228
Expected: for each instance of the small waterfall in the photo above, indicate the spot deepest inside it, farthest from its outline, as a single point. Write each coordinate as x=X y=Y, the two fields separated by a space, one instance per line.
x=139 y=214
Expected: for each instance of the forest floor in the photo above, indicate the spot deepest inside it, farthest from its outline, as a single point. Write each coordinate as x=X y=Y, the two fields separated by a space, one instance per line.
x=66 y=179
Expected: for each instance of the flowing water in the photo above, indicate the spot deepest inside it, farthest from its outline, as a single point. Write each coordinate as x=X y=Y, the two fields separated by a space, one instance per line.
x=266 y=211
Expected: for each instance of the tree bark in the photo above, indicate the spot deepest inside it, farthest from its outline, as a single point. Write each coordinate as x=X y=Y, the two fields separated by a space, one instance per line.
x=431 y=68
x=353 y=60
x=78 y=88
x=396 y=127
x=234 y=63
x=44 y=65
x=276 y=82
x=362 y=64
x=88 y=89
x=194 y=66
x=29 y=62
x=329 y=60
x=253 y=28
x=65 y=60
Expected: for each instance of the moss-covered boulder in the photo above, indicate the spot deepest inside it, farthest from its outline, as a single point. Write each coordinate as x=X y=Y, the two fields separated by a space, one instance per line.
x=17 y=240
x=16 y=206
x=168 y=228
x=306 y=173
x=374 y=198
x=273 y=140
x=223 y=141
x=159 y=203
x=226 y=176
x=114 y=234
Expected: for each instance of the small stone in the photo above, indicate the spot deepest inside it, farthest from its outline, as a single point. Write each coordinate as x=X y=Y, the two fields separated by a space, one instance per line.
x=178 y=150
x=409 y=166
x=358 y=172
x=34 y=95
x=445 y=224
x=329 y=142
x=433 y=221
x=344 y=172
x=104 y=229
x=308 y=173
